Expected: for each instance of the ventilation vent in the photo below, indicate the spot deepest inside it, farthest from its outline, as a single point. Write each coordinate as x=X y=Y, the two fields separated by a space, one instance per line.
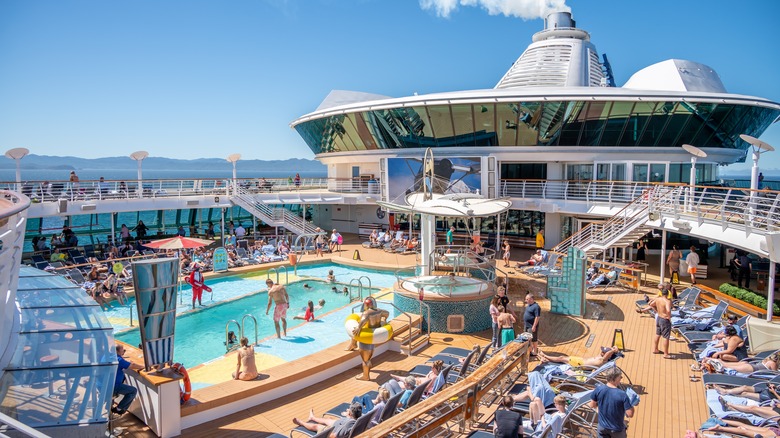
x=193 y=202
x=456 y=323
x=546 y=66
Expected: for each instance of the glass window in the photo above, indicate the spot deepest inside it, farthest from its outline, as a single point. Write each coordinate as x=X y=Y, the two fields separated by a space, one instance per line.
x=463 y=119
x=640 y=173
x=484 y=121
x=523 y=171
x=636 y=124
x=616 y=123
x=579 y=172
x=441 y=119
x=552 y=121
x=528 y=117
x=507 y=124
x=523 y=223
x=595 y=121
x=658 y=172
x=656 y=123
x=618 y=171
x=677 y=121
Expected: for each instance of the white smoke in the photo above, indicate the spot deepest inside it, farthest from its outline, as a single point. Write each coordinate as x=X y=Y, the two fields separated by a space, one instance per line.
x=525 y=9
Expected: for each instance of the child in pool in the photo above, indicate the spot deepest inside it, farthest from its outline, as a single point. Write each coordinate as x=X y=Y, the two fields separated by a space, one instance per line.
x=309 y=315
x=320 y=304
x=346 y=291
x=331 y=278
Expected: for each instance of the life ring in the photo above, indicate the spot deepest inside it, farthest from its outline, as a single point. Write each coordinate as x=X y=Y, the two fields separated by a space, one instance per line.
x=367 y=335
x=185 y=394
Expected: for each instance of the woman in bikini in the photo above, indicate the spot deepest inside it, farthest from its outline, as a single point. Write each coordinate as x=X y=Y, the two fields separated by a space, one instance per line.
x=246 y=359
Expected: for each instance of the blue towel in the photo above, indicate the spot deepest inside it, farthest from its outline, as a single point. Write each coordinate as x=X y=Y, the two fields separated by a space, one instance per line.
x=540 y=388
x=632 y=396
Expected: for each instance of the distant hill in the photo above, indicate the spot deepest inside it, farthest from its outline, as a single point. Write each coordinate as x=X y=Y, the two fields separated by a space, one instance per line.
x=46 y=162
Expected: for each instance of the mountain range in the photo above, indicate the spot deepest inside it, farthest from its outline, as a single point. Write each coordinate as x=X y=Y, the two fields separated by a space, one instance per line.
x=45 y=162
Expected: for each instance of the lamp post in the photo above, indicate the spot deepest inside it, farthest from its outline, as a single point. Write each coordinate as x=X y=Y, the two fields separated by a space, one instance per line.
x=758 y=147
x=233 y=158
x=17 y=154
x=139 y=156
x=695 y=154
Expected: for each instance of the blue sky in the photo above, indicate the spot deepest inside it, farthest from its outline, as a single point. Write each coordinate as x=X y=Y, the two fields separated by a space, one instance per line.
x=95 y=78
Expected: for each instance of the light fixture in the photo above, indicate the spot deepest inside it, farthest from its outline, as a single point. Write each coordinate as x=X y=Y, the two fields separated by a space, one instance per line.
x=17 y=154
x=233 y=159
x=139 y=156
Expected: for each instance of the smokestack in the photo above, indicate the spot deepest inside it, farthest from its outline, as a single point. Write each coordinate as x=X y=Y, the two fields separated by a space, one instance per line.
x=559 y=20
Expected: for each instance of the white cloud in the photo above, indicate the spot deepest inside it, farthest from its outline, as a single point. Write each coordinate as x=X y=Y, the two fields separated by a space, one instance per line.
x=525 y=9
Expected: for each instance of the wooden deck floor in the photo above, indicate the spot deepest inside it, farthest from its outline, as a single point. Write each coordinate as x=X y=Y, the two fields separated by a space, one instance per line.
x=670 y=402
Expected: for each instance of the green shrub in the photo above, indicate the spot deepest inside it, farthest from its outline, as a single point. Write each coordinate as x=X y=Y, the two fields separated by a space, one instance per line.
x=748 y=297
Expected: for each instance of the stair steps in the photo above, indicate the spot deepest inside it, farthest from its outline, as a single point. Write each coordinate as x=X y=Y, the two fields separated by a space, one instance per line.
x=403 y=332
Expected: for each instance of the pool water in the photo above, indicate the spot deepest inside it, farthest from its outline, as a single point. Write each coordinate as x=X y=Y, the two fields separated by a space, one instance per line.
x=345 y=274
x=202 y=333
x=446 y=285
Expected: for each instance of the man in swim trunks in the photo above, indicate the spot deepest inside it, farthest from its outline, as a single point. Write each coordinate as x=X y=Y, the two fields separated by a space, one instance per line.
x=277 y=294
x=663 y=322
x=605 y=356
x=374 y=318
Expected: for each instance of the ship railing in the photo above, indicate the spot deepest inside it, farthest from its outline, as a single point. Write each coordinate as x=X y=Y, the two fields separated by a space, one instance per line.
x=52 y=190
x=729 y=207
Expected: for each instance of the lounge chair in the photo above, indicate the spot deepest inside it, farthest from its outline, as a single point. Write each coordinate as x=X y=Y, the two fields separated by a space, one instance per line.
x=702 y=319
x=242 y=254
x=555 y=427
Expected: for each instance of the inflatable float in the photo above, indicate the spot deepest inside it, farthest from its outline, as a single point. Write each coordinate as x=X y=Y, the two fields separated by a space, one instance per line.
x=372 y=336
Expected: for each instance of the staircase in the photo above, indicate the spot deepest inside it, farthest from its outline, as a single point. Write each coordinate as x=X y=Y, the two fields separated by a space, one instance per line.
x=274 y=216
x=626 y=227
x=411 y=337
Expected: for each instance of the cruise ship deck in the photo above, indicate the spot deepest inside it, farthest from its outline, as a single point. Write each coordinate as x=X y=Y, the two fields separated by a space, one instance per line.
x=665 y=386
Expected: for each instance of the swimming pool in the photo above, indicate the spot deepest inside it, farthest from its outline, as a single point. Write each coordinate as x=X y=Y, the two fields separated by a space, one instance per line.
x=345 y=274
x=201 y=334
x=446 y=285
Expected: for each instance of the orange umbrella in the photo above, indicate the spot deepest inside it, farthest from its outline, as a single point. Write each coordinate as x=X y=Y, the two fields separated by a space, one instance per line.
x=178 y=242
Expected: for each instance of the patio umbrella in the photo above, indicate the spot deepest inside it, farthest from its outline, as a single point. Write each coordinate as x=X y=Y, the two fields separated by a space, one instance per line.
x=178 y=242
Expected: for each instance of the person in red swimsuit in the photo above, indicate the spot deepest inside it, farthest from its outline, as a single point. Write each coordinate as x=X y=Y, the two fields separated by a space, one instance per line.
x=198 y=285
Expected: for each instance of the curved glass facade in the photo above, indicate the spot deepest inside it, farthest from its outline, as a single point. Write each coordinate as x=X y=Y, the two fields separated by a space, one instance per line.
x=62 y=372
x=550 y=123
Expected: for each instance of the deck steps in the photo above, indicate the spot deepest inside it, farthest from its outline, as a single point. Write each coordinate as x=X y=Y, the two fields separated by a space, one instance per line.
x=403 y=332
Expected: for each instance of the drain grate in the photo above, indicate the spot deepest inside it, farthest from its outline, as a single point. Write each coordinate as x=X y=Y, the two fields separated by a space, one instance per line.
x=590 y=340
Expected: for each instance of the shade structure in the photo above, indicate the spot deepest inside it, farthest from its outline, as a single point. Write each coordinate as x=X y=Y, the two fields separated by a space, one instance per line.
x=178 y=242
x=451 y=205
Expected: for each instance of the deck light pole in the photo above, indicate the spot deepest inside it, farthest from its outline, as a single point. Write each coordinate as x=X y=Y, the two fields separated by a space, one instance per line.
x=17 y=154
x=233 y=158
x=759 y=147
x=695 y=154
x=139 y=157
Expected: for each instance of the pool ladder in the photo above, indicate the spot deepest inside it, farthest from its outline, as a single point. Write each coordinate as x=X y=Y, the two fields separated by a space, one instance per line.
x=360 y=287
x=276 y=271
x=240 y=329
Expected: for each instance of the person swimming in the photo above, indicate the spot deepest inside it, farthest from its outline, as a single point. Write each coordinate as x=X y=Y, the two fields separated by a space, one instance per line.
x=334 y=289
x=306 y=286
x=320 y=304
x=308 y=314
x=232 y=338
x=331 y=278
x=346 y=291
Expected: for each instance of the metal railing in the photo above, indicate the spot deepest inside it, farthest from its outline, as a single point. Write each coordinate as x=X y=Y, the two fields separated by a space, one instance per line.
x=243 y=326
x=360 y=289
x=276 y=270
x=278 y=216
x=84 y=190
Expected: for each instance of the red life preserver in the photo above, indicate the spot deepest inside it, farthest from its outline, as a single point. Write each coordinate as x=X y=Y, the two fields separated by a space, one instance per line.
x=185 y=394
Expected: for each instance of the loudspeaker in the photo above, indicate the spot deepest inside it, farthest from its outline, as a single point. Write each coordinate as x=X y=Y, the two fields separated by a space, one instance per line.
x=773 y=246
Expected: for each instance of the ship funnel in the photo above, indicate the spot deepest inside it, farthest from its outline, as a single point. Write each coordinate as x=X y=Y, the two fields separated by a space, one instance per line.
x=559 y=20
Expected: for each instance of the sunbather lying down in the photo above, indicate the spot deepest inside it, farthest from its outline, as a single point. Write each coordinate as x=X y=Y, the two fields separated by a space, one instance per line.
x=605 y=356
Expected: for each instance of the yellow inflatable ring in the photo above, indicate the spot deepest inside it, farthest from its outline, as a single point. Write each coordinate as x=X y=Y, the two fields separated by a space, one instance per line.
x=367 y=335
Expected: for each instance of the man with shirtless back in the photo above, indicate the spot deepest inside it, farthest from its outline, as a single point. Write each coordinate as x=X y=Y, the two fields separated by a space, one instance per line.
x=663 y=322
x=373 y=318
x=277 y=294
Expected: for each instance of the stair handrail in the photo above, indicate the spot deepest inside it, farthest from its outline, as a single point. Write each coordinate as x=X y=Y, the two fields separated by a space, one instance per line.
x=243 y=325
x=409 y=338
x=631 y=214
x=286 y=273
x=227 y=332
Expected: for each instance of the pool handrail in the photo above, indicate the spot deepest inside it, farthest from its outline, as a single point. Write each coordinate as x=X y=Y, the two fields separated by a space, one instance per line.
x=243 y=325
x=227 y=332
x=276 y=271
x=367 y=278
x=360 y=289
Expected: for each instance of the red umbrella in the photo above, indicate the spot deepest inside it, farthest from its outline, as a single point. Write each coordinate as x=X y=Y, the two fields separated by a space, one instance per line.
x=178 y=242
